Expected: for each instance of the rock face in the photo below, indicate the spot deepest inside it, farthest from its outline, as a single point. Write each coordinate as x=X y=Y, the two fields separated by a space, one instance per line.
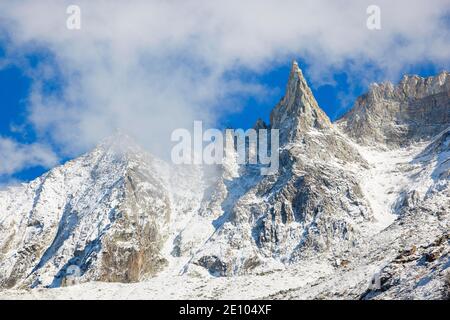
x=347 y=196
x=107 y=213
x=298 y=111
x=416 y=109
x=311 y=205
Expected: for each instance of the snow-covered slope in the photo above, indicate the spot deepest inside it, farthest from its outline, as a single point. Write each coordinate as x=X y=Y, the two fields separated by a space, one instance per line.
x=109 y=212
x=364 y=200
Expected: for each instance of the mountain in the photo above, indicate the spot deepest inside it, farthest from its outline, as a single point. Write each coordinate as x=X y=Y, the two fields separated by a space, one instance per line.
x=414 y=110
x=362 y=200
x=107 y=212
x=298 y=111
x=314 y=203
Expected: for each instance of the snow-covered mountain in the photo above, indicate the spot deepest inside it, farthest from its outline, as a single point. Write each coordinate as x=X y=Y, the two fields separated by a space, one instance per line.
x=362 y=200
x=414 y=110
x=107 y=212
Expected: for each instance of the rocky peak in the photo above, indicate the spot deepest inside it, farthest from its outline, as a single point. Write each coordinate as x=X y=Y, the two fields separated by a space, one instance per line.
x=411 y=87
x=414 y=86
x=260 y=124
x=298 y=111
x=416 y=108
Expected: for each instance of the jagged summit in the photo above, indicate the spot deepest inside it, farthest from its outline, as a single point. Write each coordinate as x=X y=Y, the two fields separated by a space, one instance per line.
x=411 y=87
x=298 y=110
x=260 y=124
x=305 y=127
x=415 y=109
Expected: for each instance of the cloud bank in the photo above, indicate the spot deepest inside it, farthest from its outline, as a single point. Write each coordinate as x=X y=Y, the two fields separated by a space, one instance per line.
x=16 y=156
x=147 y=67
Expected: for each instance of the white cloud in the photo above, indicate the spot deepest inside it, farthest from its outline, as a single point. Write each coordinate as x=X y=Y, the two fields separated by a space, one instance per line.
x=150 y=66
x=16 y=157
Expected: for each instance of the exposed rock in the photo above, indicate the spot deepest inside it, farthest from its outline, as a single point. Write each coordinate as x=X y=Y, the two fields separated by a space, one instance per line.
x=415 y=109
x=107 y=213
x=310 y=205
x=298 y=111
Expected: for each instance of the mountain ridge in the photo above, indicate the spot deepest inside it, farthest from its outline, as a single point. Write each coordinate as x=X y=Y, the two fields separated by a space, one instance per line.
x=343 y=189
x=415 y=109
